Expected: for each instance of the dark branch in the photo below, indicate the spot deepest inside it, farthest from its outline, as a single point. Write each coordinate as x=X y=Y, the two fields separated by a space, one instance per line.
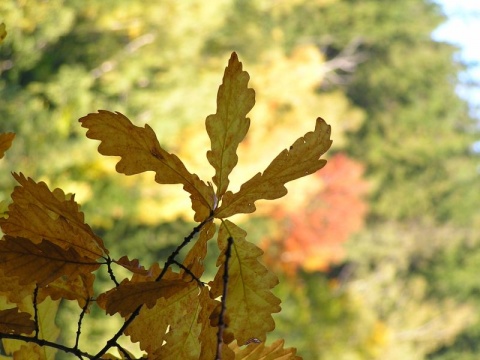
x=110 y=271
x=35 y=311
x=80 y=319
x=42 y=342
x=171 y=260
x=221 y=317
x=189 y=272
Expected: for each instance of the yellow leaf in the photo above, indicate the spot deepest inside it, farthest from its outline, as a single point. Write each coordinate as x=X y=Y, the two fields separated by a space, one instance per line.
x=3 y=34
x=132 y=265
x=195 y=257
x=124 y=299
x=6 y=139
x=47 y=330
x=229 y=125
x=140 y=151
x=181 y=341
x=39 y=214
x=261 y=352
x=158 y=319
x=302 y=159
x=47 y=312
x=78 y=288
x=208 y=333
x=12 y=321
x=250 y=302
x=41 y=263
x=11 y=289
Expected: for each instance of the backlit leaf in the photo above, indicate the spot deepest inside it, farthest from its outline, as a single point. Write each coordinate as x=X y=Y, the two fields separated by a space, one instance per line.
x=165 y=313
x=6 y=139
x=41 y=263
x=208 y=333
x=261 y=352
x=229 y=125
x=250 y=302
x=3 y=34
x=39 y=214
x=12 y=321
x=140 y=151
x=302 y=159
x=11 y=289
x=79 y=288
x=124 y=299
x=181 y=341
x=195 y=257
x=132 y=265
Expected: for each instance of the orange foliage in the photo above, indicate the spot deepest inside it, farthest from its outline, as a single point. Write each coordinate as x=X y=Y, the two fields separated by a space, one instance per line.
x=312 y=237
x=49 y=253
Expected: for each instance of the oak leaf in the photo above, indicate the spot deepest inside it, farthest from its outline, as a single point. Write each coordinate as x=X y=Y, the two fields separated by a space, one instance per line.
x=13 y=321
x=47 y=330
x=181 y=341
x=160 y=317
x=132 y=265
x=41 y=263
x=262 y=352
x=140 y=151
x=40 y=214
x=128 y=296
x=6 y=139
x=302 y=159
x=195 y=257
x=229 y=125
x=79 y=288
x=208 y=333
x=12 y=290
x=250 y=302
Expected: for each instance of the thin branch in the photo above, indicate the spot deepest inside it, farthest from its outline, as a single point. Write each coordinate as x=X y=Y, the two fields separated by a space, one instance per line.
x=171 y=259
x=189 y=272
x=80 y=319
x=124 y=352
x=35 y=311
x=41 y=342
x=110 y=271
x=221 y=316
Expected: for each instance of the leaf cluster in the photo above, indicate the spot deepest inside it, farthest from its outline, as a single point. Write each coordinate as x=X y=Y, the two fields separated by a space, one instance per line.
x=48 y=251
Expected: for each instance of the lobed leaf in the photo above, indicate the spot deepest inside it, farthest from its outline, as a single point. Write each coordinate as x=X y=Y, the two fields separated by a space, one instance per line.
x=158 y=319
x=140 y=151
x=41 y=263
x=181 y=341
x=12 y=321
x=79 y=288
x=208 y=333
x=132 y=265
x=6 y=139
x=128 y=296
x=302 y=159
x=250 y=302
x=195 y=257
x=229 y=125
x=262 y=352
x=39 y=214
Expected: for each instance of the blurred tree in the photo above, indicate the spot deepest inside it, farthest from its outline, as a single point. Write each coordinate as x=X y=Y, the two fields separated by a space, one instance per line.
x=368 y=67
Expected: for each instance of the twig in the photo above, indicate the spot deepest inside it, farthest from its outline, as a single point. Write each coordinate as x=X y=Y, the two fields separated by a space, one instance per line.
x=171 y=259
x=80 y=319
x=221 y=317
x=189 y=272
x=110 y=271
x=41 y=342
x=35 y=311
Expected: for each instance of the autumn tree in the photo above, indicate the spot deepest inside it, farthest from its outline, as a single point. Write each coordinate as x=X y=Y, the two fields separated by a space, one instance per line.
x=49 y=253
